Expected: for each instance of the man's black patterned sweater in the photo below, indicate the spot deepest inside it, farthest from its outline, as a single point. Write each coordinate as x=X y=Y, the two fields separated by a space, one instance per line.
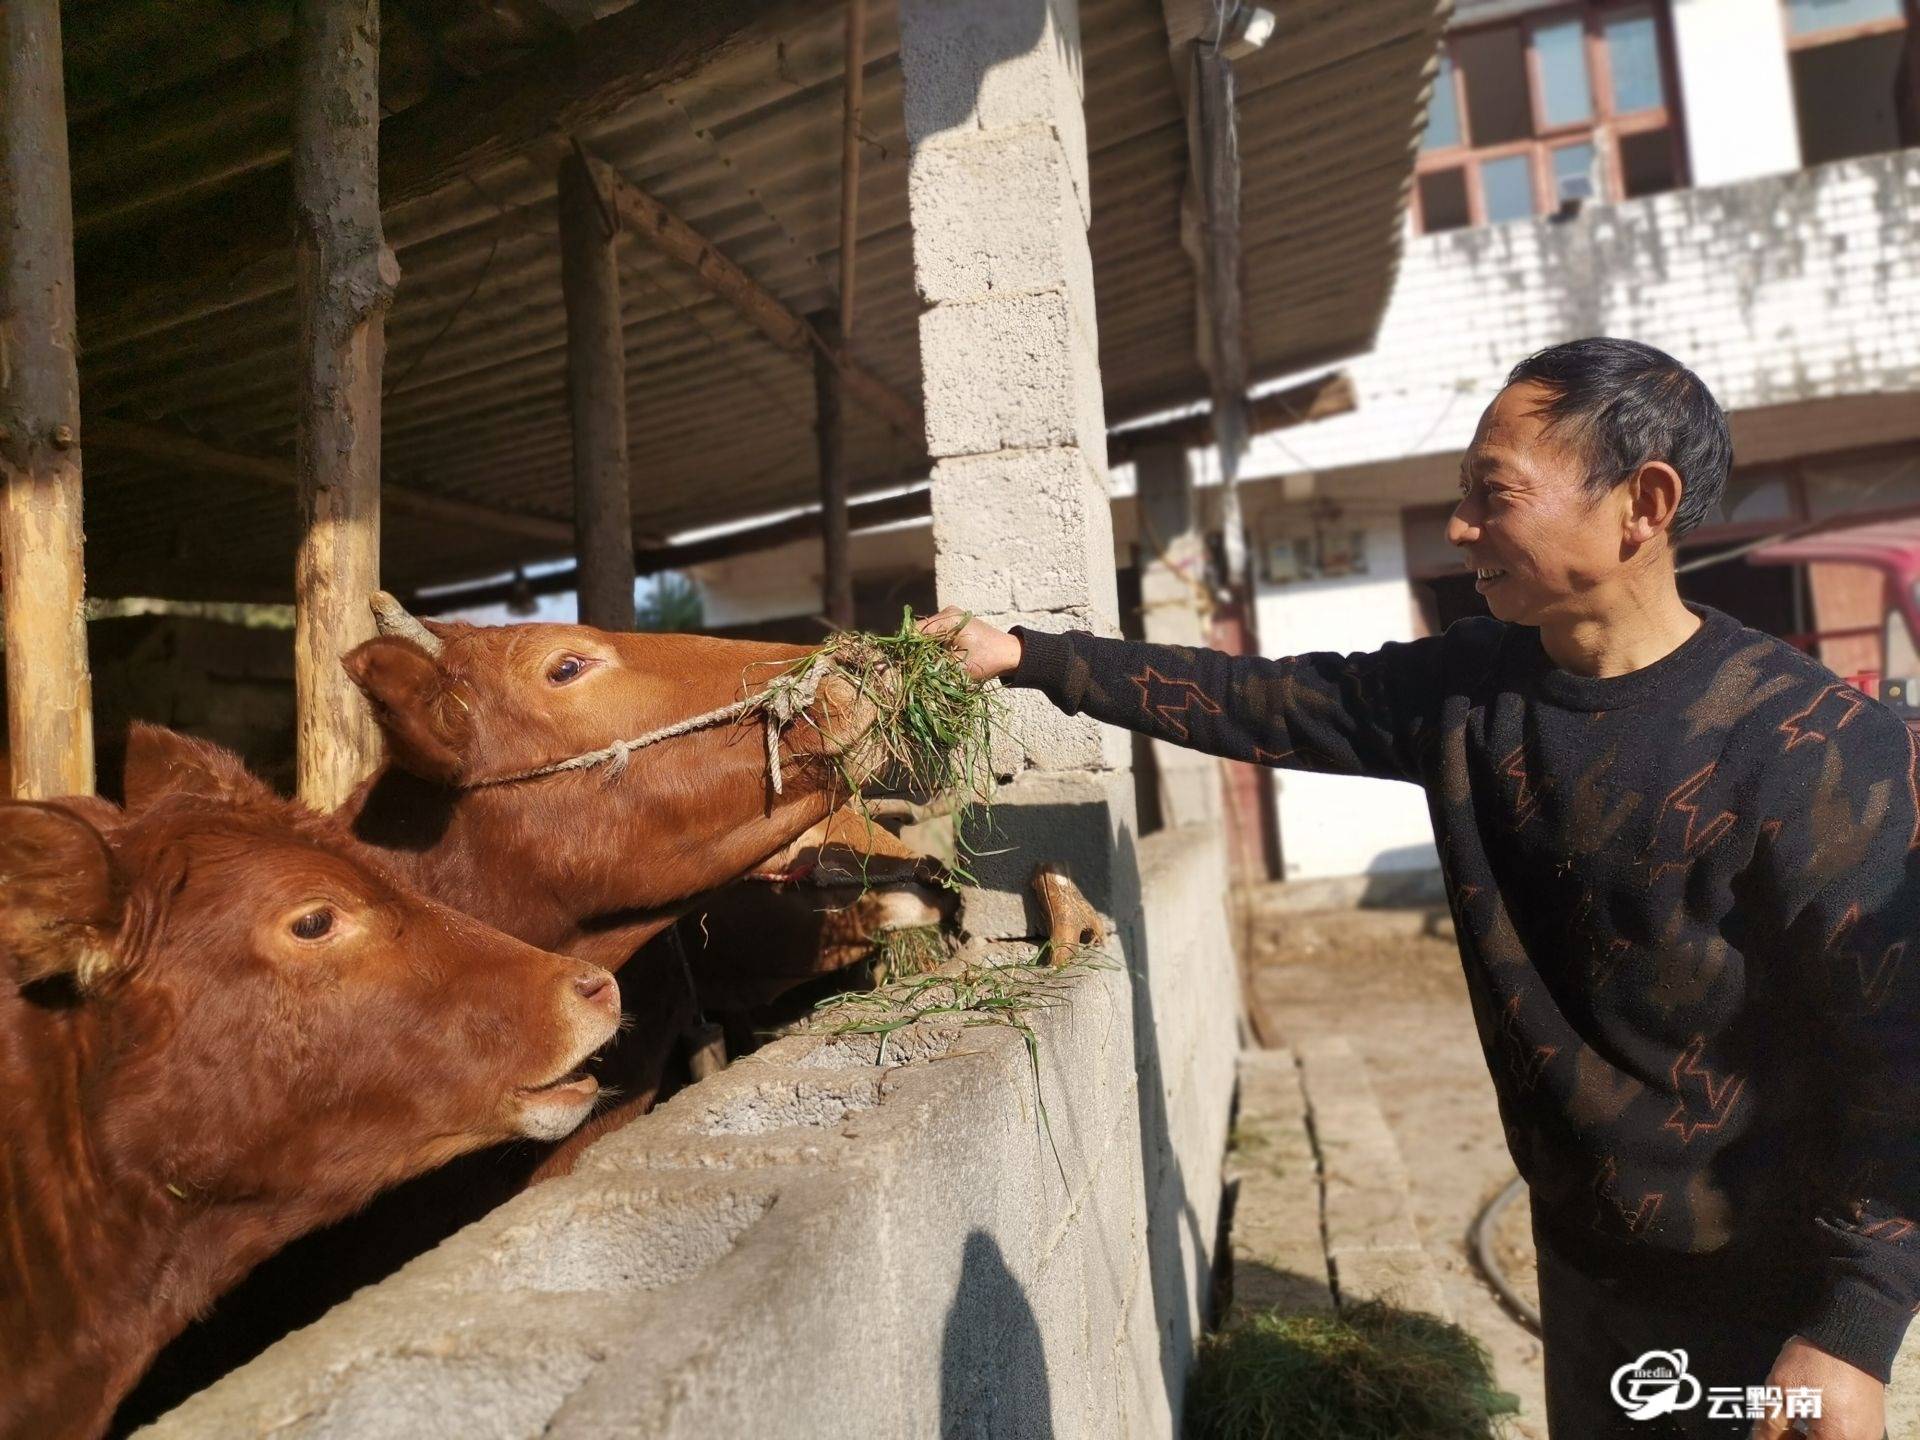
x=1684 y=900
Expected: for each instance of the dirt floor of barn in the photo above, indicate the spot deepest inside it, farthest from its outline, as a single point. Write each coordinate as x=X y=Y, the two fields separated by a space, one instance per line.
x=1389 y=981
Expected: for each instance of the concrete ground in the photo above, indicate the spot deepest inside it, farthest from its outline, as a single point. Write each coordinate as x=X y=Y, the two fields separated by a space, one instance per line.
x=1389 y=983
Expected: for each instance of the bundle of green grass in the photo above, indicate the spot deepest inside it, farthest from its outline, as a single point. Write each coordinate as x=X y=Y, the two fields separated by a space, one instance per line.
x=932 y=727
x=1372 y=1372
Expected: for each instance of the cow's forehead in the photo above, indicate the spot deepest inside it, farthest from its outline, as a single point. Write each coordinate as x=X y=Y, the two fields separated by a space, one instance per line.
x=528 y=642
x=264 y=851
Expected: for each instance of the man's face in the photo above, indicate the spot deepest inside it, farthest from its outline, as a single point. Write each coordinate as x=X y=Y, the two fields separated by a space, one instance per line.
x=1538 y=539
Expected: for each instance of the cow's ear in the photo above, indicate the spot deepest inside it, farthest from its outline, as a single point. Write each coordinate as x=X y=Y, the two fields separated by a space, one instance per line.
x=427 y=725
x=60 y=897
x=162 y=763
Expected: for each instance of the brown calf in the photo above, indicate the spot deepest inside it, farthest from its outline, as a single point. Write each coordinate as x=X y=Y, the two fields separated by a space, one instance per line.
x=221 y=1027
x=590 y=862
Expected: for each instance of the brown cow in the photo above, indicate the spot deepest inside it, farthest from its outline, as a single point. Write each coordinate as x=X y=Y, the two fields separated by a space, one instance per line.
x=220 y=1027
x=592 y=862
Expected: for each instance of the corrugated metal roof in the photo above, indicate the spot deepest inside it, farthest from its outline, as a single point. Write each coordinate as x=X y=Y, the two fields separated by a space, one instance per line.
x=747 y=151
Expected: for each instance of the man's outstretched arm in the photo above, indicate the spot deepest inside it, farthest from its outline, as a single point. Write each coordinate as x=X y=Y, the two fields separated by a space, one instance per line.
x=1355 y=714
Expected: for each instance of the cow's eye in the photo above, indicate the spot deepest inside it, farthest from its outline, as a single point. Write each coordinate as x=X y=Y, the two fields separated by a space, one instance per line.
x=314 y=924
x=567 y=667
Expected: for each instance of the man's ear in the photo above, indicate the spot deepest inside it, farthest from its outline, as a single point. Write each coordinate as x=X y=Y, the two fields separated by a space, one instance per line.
x=60 y=896
x=162 y=763
x=1654 y=492
x=427 y=725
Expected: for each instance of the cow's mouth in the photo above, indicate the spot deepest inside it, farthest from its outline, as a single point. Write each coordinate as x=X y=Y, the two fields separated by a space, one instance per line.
x=575 y=1082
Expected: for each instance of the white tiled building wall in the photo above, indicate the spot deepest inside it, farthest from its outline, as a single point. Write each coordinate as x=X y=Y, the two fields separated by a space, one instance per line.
x=1786 y=289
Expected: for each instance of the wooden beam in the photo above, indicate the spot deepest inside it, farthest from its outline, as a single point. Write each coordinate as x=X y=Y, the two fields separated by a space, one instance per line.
x=649 y=220
x=1210 y=230
x=49 y=692
x=836 y=574
x=862 y=515
x=189 y=452
x=346 y=278
x=1219 y=185
x=596 y=399
x=165 y=273
x=856 y=85
x=1316 y=399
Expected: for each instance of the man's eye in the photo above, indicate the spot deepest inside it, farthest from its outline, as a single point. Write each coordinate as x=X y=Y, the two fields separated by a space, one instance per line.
x=314 y=924
x=566 y=668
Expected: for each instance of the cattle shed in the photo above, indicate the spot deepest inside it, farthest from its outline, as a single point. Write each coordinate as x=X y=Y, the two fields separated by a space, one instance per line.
x=302 y=300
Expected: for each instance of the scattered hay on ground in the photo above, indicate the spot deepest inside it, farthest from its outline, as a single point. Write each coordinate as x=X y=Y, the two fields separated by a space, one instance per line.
x=964 y=994
x=1373 y=1372
x=967 y=995
x=907 y=952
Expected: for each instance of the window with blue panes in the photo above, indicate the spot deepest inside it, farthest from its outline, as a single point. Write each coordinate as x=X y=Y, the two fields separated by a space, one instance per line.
x=1561 y=106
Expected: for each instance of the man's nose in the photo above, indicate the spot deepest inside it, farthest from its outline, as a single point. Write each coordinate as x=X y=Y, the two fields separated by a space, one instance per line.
x=1460 y=531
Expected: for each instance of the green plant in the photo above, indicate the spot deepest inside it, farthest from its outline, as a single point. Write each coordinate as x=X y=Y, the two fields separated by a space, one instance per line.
x=967 y=996
x=671 y=604
x=932 y=726
x=1372 y=1372
x=901 y=954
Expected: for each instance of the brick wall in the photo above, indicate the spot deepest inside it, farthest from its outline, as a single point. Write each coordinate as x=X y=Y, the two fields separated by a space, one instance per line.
x=1788 y=289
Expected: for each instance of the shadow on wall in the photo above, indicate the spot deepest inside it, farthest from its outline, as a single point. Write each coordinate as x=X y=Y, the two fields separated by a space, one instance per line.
x=950 y=62
x=1170 y=1211
x=993 y=1363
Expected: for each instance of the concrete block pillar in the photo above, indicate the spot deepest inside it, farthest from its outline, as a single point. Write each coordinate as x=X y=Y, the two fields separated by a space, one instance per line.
x=1022 y=525
x=1173 y=568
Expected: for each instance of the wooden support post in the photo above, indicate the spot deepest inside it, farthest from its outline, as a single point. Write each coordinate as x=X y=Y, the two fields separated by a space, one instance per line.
x=596 y=398
x=345 y=278
x=49 y=695
x=836 y=577
x=850 y=158
x=1218 y=178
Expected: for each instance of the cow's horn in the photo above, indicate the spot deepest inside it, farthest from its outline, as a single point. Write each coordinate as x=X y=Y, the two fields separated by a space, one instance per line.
x=390 y=617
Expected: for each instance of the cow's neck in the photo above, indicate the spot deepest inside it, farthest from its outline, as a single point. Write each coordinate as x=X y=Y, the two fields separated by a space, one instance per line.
x=583 y=871
x=98 y=1269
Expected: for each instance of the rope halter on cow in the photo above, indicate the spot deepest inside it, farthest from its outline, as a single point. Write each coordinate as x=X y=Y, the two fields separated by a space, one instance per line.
x=779 y=705
x=785 y=699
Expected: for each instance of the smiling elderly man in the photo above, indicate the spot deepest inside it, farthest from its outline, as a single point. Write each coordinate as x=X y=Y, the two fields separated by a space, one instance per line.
x=1682 y=864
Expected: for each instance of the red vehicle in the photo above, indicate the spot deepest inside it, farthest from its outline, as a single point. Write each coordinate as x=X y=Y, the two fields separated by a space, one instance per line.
x=1892 y=547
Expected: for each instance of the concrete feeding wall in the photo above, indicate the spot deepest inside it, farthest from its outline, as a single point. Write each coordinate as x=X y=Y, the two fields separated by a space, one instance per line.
x=813 y=1243
x=1789 y=289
